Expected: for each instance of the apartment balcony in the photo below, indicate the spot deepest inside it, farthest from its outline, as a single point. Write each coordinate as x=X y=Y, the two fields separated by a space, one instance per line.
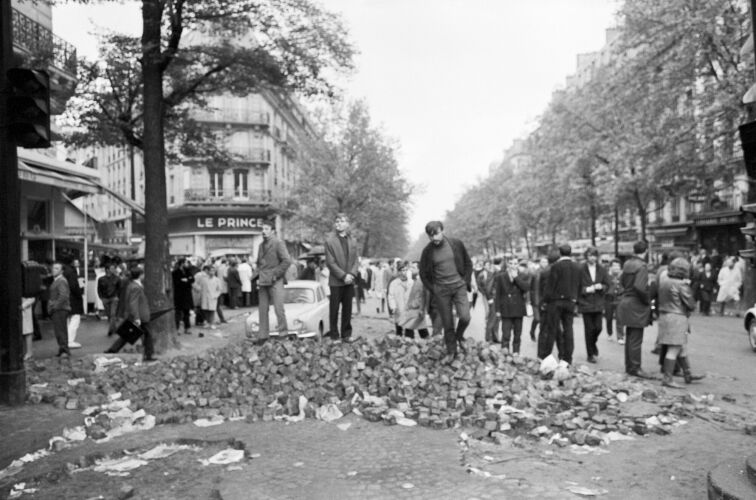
x=36 y=47
x=209 y=196
x=246 y=154
x=234 y=116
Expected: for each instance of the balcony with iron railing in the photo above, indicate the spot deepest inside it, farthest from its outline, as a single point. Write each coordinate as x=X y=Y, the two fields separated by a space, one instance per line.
x=236 y=116
x=41 y=45
x=211 y=196
x=249 y=154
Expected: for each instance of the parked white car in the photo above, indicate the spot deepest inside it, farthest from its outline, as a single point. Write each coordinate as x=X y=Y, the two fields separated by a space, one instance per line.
x=306 y=306
x=750 y=326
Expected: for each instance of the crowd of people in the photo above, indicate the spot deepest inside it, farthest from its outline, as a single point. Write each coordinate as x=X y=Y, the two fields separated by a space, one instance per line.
x=435 y=293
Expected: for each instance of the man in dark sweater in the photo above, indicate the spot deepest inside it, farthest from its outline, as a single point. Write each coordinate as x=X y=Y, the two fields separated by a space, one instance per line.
x=560 y=295
x=446 y=271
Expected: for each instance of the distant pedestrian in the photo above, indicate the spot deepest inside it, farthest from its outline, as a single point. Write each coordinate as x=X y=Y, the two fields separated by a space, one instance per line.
x=182 y=279
x=398 y=296
x=27 y=324
x=245 y=275
x=73 y=275
x=417 y=306
x=489 y=289
x=634 y=309
x=136 y=310
x=706 y=288
x=209 y=295
x=535 y=296
x=108 y=289
x=547 y=338
x=273 y=263
x=308 y=273
x=59 y=307
x=322 y=275
x=234 y=284
x=511 y=286
x=561 y=293
x=611 y=299
x=730 y=280
x=594 y=282
x=342 y=262
x=446 y=270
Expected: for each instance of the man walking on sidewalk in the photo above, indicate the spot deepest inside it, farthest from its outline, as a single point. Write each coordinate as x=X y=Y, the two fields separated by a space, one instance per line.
x=634 y=309
x=59 y=306
x=594 y=282
x=137 y=310
x=272 y=263
x=446 y=270
x=342 y=262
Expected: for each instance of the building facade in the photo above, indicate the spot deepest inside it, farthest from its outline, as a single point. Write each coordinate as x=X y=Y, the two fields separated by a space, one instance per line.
x=214 y=207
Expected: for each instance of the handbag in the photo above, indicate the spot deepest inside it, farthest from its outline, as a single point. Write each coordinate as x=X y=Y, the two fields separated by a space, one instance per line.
x=129 y=331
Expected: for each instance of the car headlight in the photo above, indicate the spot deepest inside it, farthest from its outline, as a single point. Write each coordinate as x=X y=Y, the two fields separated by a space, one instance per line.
x=254 y=326
x=297 y=324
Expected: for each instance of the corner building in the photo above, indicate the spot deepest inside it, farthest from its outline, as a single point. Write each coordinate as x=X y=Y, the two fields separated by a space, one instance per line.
x=216 y=208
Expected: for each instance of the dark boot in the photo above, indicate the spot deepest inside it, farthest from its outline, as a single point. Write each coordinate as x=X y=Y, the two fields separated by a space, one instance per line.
x=689 y=377
x=668 y=381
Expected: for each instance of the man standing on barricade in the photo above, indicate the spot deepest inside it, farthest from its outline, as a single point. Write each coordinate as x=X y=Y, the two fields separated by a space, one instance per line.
x=272 y=263
x=343 y=266
x=446 y=271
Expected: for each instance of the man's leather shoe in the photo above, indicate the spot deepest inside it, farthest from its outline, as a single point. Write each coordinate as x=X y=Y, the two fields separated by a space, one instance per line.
x=592 y=359
x=644 y=375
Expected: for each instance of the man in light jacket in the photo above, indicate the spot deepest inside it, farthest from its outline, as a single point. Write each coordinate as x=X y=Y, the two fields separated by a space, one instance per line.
x=59 y=307
x=343 y=266
x=272 y=263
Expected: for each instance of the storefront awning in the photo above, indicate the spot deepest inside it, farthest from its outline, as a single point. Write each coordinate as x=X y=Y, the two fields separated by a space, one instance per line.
x=76 y=180
x=670 y=232
x=134 y=206
x=719 y=218
x=74 y=185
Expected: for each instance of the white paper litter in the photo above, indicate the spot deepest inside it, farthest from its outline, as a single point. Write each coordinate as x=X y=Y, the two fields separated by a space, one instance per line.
x=618 y=436
x=204 y=422
x=301 y=415
x=344 y=426
x=406 y=422
x=73 y=382
x=328 y=413
x=77 y=433
x=102 y=363
x=123 y=464
x=587 y=492
x=225 y=457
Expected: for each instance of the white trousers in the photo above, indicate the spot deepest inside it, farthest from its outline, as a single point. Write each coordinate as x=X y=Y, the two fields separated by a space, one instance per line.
x=74 y=320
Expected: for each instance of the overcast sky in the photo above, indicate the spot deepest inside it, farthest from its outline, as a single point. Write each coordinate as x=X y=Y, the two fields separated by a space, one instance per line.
x=453 y=81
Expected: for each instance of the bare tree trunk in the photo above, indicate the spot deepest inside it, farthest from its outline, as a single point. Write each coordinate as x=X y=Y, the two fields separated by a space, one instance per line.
x=156 y=255
x=527 y=241
x=593 y=225
x=642 y=213
x=366 y=244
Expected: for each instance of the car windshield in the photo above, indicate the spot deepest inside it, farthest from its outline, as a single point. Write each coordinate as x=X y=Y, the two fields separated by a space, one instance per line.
x=299 y=296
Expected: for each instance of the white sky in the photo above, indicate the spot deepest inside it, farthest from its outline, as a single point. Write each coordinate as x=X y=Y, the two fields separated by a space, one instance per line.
x=454 y=81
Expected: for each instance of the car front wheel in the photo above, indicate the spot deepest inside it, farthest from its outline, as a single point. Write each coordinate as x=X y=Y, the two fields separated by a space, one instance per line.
x=752 y=333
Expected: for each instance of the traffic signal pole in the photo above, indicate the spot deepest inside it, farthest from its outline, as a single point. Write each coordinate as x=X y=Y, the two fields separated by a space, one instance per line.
x=12 y=374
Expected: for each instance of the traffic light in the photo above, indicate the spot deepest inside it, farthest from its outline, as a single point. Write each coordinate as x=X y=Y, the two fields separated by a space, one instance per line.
x=29 y=107
x=749 y=231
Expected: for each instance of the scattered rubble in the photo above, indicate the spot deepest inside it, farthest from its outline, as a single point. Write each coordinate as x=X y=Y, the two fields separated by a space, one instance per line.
x=391 y=380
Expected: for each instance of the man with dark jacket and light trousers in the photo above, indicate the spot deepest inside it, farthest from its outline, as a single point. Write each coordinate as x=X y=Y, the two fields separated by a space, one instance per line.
x=272 y=263
x=446 y=271
x=343 y=266
x=634 y=309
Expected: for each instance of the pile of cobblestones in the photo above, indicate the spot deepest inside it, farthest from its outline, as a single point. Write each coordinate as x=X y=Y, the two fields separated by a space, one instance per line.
x=391 y=380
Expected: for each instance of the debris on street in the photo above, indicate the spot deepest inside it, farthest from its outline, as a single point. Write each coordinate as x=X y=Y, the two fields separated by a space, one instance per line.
x=392 y=380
